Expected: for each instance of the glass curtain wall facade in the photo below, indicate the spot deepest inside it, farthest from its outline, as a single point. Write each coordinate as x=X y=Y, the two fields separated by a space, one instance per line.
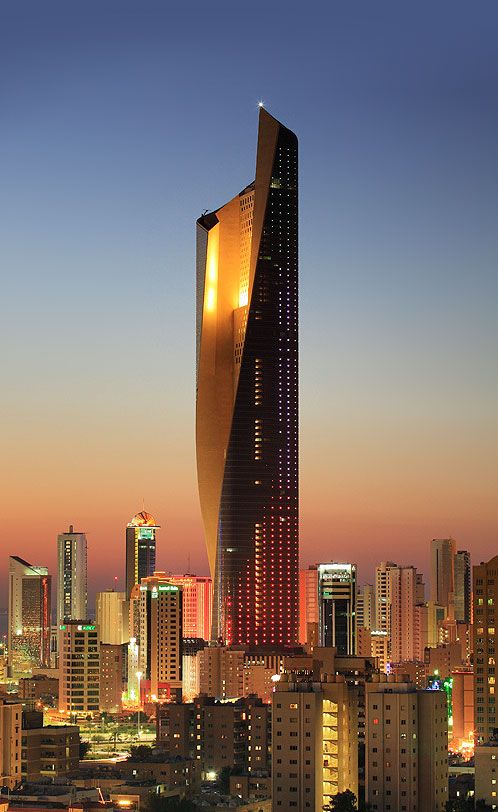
x=247 y=398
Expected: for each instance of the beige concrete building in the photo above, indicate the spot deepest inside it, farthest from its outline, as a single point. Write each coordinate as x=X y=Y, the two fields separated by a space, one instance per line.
x=10 y=744
x=406 y=747
x=462 y=697
x=232 y=734
x=421 y=620
x=160 y=643
x=443 y=659
x=111 y=614
x=217 y=734
x=485 y=590
x=38 y=687
x=111 y=678
x=173 y=773
x=221 y=672
x=365 y=607
x=373 y=643
x=383 y=596
x=486 y=774
x=259 y=673
x=251 y=786
x=405 y=592
x=314 y=742
x=435 y=618
x=379 y=648
x=79 y=659
x=228 y=673
x=51 y=751
x=175 y=728
x=412 y=671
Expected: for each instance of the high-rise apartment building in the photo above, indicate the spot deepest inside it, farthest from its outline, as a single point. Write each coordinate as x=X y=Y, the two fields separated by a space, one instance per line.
x=336 y=606
x=160 y=645
x=72 y=571
x=486 y=787
x=463 y=587
x=435 y=619
x=175 y=728
x=221 y=672
x=379 y=647
x=79 y=661
x=462 y=700
x=443 y=571
x=140 y=549
x=52 y=750
x=111 y=678
x=133 y=652
x=191 y=667
x=314 y=742
x=260 y=672
x=406 y=747
x=228 y=673
x=247 y=398
x=485 y=589
x=406 y=590
x=308 y=604
x=218 y=734
x=29 y=615
x=111 y=615
x=197 y=592
x=383 y=596
x=365 y=607
x=234 y=733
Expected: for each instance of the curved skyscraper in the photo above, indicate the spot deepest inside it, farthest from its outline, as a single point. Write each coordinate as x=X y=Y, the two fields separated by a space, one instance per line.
x=247 y=398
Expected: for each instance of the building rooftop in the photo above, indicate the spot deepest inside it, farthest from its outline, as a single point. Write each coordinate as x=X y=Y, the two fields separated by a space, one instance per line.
x=143 y=519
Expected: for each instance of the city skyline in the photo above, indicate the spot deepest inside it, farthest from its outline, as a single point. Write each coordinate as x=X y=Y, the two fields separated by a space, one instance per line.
x=248 y=263
x=398 y=251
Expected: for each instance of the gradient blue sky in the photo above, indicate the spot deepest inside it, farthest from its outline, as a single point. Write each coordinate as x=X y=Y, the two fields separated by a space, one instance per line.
x=121 y=123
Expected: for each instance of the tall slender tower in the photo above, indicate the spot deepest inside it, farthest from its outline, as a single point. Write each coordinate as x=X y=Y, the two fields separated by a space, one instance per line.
x=485 y=589
x=140 y=549
x=72 y=570
x=247 y=398
x=161 y=642
x=336 y=606
x=29 y=615
x=463 y=586
x=443 y=571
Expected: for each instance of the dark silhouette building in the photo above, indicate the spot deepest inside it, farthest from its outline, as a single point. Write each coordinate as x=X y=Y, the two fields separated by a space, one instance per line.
x=140 y=549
